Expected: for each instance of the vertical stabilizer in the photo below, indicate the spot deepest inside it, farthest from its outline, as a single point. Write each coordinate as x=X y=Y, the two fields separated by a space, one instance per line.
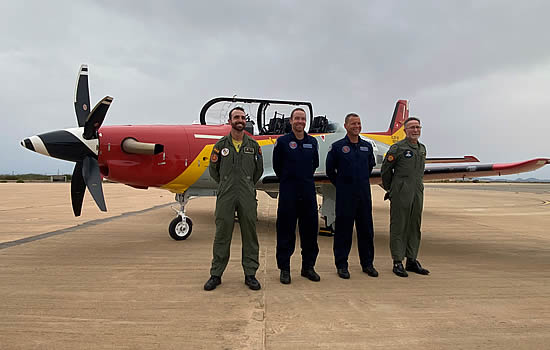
x=396 y=130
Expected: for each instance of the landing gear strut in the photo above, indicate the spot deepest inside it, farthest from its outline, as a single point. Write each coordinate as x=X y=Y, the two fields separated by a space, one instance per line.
x=181 y=227
x=328 y=230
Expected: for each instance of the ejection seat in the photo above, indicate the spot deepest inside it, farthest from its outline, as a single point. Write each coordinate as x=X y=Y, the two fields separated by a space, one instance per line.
x=319 y=124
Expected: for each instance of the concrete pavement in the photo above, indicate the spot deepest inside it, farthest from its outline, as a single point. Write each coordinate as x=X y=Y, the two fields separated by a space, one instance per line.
x=125 y=284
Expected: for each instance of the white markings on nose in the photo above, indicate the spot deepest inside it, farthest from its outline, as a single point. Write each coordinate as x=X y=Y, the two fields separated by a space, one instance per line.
x=39 y=145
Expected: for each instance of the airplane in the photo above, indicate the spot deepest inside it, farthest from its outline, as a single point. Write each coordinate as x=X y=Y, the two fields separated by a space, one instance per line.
x=176 y=157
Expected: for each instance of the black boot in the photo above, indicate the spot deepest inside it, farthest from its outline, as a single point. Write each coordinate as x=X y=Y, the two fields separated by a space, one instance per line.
x=414 y=266
x=310 y=274
x=285 y=277
x=371 y=271
x=343 y=273
x=252 y=282
x=399 y=270
x=212 y=283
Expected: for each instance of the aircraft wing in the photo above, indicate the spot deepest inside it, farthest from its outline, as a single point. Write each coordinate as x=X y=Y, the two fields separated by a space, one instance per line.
x=450 y=171
x=465 y=159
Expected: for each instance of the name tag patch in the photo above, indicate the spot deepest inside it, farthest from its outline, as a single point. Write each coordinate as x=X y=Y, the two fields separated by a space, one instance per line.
x=249 y=150
x=364 y=148
x=307 y=145
x=408 y=153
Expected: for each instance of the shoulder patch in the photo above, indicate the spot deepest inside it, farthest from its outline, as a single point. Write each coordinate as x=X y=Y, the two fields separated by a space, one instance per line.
x=390 y=158
x=214 y=157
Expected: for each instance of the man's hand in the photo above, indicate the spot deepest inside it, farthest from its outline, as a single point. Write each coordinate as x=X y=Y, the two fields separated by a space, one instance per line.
x=386 y=196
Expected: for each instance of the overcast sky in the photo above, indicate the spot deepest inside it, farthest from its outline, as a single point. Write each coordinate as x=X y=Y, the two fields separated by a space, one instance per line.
x=477 y=73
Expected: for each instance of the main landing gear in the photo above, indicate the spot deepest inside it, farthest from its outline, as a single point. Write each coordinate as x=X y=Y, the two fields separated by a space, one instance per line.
x=181 y=227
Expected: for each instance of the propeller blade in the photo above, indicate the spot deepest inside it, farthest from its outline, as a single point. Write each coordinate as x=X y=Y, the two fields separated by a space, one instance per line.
x=92 y=178
x=96 y=118
x=78 y=187
x=82 y=96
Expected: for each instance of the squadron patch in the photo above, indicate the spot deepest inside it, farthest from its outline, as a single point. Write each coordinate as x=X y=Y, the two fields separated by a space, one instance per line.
x=408 y=153
x=225 y=152
x=390 y=158
x=292 y=144
x=345 y=149
x=214 y=157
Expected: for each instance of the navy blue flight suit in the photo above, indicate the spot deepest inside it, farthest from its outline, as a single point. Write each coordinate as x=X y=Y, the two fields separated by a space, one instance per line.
x=348 y=167
x=294 y=162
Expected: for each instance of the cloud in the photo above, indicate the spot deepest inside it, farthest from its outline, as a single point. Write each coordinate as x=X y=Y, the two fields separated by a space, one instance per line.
x=475 y=71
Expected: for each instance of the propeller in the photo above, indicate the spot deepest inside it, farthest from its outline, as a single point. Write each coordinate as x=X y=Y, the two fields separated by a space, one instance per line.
x=86 y=171
x=82 y=96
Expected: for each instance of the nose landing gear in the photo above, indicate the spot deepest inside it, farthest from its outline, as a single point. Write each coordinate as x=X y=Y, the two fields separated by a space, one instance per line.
x=181 y=227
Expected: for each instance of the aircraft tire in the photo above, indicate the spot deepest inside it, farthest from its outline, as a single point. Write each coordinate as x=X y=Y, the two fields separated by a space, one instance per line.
x=180 y=231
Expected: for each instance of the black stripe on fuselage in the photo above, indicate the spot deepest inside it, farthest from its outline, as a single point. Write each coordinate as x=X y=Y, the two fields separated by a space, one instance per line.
x=458 y=168
x=62 y=144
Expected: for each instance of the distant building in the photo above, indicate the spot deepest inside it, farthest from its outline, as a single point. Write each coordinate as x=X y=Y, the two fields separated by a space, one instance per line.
x=58 y=178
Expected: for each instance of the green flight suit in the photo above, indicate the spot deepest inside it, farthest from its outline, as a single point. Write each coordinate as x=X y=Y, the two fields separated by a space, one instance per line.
x=236 y=174
x=402 y=174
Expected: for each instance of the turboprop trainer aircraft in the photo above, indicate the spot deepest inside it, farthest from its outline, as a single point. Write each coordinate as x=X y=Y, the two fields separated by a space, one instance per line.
x=176 y=157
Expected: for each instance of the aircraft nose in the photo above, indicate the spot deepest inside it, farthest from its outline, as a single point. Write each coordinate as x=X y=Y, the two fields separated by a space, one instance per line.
x=27 y=144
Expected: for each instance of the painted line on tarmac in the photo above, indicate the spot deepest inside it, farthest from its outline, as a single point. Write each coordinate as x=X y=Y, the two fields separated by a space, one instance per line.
x=73 y=228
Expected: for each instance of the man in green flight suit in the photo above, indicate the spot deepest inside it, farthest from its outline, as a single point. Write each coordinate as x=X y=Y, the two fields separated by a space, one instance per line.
x=402 y=174
x=236 y=164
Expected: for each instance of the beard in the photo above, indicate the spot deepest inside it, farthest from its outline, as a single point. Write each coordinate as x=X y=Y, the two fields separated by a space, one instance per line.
x=239 y=126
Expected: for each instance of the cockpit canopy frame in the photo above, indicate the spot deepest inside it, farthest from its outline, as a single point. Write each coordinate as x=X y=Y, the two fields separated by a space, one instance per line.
x=278 y=124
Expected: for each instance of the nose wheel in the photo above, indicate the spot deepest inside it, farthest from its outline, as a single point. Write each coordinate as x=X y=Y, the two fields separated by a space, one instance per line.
x=181 y=227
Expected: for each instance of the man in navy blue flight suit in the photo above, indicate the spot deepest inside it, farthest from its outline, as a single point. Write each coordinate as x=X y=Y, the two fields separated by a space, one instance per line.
x=295 y=158
x=348 y=165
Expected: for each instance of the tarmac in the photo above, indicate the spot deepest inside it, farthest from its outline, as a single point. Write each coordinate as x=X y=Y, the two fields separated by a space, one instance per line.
x=116 y=280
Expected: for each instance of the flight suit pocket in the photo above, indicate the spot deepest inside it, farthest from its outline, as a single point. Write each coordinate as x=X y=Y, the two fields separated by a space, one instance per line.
x=396 y=187
x=248 y=164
